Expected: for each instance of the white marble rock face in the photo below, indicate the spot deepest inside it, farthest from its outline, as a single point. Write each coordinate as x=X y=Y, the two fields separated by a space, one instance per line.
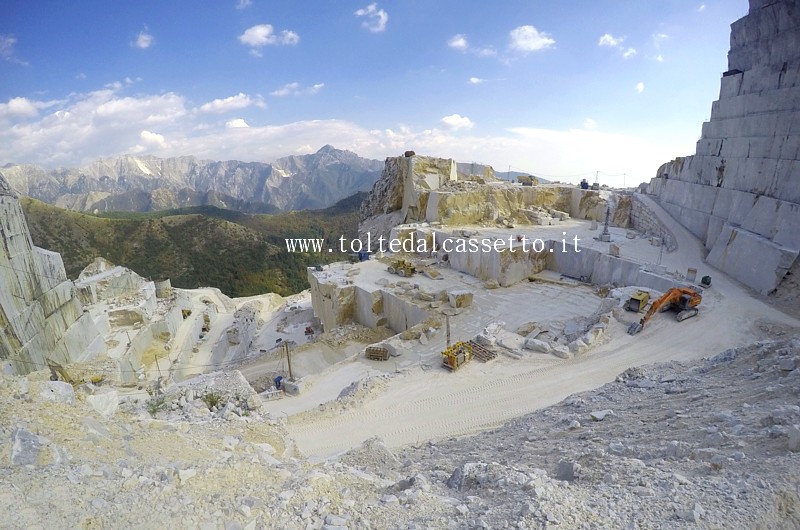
x=40 y=314
x=740 y=191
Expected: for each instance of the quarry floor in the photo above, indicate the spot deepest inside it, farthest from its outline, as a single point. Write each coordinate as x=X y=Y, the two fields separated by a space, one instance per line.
x=418 y=400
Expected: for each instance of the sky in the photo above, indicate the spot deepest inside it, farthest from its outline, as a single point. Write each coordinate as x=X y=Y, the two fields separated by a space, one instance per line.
x=600 y=89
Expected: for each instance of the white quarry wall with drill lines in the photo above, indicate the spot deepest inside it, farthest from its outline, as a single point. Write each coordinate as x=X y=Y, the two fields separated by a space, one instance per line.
x=40 y=317
x=740 y=192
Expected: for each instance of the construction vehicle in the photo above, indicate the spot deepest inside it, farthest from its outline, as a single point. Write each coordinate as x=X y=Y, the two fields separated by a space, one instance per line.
x=57 y=371
x=682 y=299
x=457 y=355
x=638 y=301
x=402 y=267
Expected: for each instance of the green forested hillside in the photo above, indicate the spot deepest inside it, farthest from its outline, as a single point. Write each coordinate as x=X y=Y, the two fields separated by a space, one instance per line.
x=241 y=254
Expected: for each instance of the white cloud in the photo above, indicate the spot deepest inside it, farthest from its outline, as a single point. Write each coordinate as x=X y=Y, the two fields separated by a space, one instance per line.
x=294 y=89
x=459 y=42
x=106 y=122
x=529 y=39
x=18 y=108
x=239 y=101
x=658 y=38
x=701 y=8
x=262 y=35
x=476 y=80
x=610 y=41
x=144 y=40
x=376 y=19
x=457 y=122
x=288 y=37
x=589 y=124
x=237 y=123
x=7 y=46
x=244 y=4
x=7 y=52
x=152 y=138
x=660 y=58
x=639 y=87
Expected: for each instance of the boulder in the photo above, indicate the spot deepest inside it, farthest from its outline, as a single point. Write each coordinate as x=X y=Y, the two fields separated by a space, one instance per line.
x=460 y=298
x=537 y=345
x=105 y=404
x=58 y=391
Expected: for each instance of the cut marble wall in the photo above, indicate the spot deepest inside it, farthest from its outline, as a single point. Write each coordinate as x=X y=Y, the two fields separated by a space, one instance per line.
x=41 y=318
x=740 y=192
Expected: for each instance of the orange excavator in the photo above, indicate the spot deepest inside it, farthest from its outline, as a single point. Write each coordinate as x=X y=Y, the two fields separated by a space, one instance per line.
x=682 y=299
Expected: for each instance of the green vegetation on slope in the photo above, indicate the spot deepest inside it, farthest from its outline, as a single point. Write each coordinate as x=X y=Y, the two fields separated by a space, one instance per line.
x=240 y=254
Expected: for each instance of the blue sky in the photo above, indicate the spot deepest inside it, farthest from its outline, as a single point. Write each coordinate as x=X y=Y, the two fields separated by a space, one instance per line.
x=560 y=89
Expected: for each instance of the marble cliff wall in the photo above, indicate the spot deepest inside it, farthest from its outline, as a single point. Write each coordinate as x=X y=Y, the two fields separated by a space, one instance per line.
x=40 y=316
x=740 y=191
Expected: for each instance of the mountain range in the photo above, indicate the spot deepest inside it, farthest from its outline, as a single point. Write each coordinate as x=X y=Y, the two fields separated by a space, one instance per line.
x=148 y=183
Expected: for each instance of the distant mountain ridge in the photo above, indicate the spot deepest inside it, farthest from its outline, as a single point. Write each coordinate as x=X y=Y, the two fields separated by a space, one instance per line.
x=148 y=183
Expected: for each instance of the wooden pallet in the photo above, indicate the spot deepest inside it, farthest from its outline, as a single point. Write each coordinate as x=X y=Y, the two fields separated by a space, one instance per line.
x=481 y=353
x=377 y=353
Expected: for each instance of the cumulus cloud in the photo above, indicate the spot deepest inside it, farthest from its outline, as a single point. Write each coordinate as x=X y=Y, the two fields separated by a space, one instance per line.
x=589 y=124
x=239 y=101
x=611 y=41
x=244 y=4
x=456 y=122
x=639 y=87
x=295 y=89
x=374 y=19
x=143 y=41
x=152 y=138
x=262 y=35
x=701 y=8
x=630 y=52
x=459 y=42
x=530 y=39
x=237 y=123
x=18 y=108
x=476 y=80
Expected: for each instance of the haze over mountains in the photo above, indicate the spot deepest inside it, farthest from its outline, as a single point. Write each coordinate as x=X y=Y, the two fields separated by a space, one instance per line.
x=147 y=183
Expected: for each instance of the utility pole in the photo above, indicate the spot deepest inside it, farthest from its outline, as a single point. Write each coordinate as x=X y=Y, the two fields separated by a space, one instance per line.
x=288 y=359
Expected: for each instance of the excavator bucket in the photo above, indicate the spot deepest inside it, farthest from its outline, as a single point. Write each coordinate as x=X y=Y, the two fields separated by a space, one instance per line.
x=634 y=328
